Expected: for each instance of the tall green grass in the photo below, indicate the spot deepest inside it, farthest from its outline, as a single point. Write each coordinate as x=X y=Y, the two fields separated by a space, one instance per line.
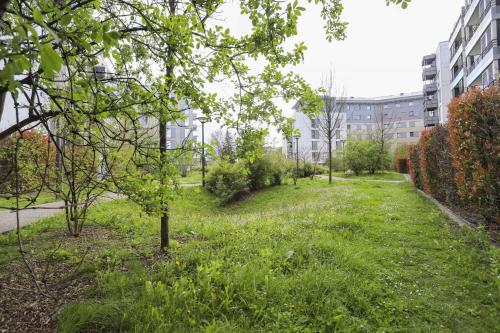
x=351 y=257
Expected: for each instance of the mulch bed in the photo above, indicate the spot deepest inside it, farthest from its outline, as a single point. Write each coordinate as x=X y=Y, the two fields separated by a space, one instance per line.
x=26 y=308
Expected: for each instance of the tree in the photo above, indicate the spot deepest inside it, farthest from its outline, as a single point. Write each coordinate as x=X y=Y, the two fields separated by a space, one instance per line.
x=330 y=118
x=385 y=121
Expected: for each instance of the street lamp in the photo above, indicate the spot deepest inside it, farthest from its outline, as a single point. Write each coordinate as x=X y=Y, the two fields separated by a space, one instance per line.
x=343 y=154
x=202 y=120
x=297 y=157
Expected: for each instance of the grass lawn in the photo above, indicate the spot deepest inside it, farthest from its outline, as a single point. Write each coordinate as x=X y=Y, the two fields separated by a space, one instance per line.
x=43 y=198
x=351 y=257
x=193 y=177
x=386 y=175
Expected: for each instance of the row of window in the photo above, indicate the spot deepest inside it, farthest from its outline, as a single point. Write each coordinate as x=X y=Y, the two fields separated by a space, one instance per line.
x=401 y=124
x=354 y=107
x=370 y=117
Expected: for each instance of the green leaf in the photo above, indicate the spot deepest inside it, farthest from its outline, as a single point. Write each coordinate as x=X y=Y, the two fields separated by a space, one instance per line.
x=50 y=60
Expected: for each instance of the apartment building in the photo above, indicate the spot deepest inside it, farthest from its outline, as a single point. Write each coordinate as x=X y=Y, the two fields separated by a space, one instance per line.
x=399 y=117
x=474 y=46
x=436 y=76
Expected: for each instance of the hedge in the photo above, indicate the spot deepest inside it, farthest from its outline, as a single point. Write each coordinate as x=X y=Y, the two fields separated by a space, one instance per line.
x=459 y=164
x=436 y=164
x=475 y=147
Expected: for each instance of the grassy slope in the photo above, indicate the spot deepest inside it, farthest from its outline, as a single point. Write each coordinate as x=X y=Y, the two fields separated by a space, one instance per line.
x=387 y=175
x=357 y=256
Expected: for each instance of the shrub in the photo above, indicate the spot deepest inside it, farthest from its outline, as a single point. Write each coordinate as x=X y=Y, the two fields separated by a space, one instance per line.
x=414 y=166
x=475 y=148
x=400 y=159
x=436 y=165
x=362 y=155
x=36 y=155
x=227 y=181
x=259 y=172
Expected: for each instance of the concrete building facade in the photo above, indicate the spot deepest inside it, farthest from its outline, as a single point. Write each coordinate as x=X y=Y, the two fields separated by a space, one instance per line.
x=474 y=46
x=436 y=76
x=399 y=117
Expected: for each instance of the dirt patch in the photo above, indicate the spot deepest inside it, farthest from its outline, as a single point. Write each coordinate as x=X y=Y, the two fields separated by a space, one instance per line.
x=24 y=307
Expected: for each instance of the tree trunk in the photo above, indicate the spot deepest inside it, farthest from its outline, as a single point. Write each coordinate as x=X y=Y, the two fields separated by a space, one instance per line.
x=164 y=216
x=164 y=231
x=330 y=166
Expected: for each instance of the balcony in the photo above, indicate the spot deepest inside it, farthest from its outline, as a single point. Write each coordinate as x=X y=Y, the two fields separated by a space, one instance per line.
x=480 y=57
x=430 y=104
x=429 y=72
x=430 y=87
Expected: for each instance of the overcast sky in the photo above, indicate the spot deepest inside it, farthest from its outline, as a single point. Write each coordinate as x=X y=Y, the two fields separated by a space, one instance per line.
x=384 y=46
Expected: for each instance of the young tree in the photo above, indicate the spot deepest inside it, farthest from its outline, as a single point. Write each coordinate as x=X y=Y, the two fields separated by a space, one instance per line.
x=330 y=118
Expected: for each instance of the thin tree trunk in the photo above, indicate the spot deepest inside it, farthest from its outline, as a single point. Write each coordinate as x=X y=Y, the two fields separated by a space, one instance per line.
x=330 y=166
x=164 y=217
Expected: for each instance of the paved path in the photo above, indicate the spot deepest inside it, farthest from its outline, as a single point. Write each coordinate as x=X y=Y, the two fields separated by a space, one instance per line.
x=8 y=220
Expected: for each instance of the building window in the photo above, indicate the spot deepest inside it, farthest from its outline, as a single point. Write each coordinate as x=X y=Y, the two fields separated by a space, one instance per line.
x=431 y=114
x=411 y=113
x=315 y=134
x=398 y=105
x=314 y=123
x=401 y=125
x=314 y=145
x=413 y=134
x=387 y=125
x=348 y=127
x=401 y=135
x=315 y=156
x=368 y=107
x=172 y=131
x=412 y=124
x=410 y=104
x=356 y=117
x=338 y=144
x=386 y=106
x=369 y=117
x=337 y=134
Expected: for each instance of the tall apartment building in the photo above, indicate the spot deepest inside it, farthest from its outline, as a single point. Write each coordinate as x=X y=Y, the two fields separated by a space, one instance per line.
x=399 y=117
x=437 y=92
x=474 y=46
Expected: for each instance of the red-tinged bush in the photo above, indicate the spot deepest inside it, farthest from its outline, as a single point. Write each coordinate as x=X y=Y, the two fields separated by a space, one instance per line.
x=436 y=164
x=400 y=159
x=474 y=122
x=36 y=161
x=414 y=166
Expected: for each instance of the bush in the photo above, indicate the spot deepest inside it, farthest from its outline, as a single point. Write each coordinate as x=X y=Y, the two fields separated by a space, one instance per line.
x=414 y=166
x=400 y=159
x=363 y=155
x=227 y=181
x=436 y=164
x=36 y=155
x=475 y=148
x=259 y=173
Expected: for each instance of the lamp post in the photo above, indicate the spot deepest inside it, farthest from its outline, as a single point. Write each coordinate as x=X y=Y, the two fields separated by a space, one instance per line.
x=297 y=157
x=202 y=120
x=343 y=154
